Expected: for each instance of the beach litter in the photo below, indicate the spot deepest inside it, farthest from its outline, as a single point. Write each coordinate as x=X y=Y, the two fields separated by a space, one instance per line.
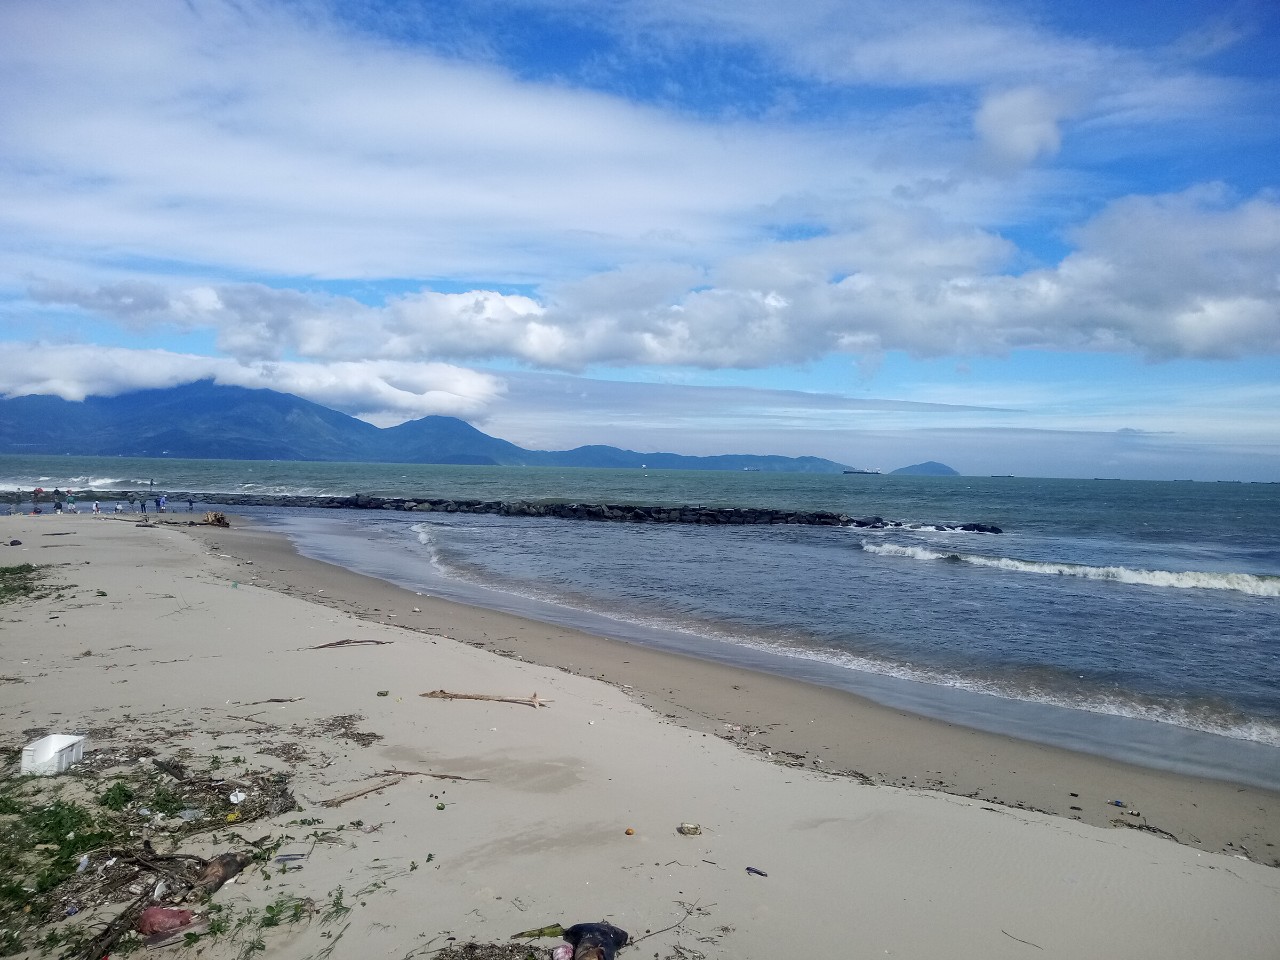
x=163 y=920
x=756 y=872
x=689 y=829
x=52 y=755
x=598 y=941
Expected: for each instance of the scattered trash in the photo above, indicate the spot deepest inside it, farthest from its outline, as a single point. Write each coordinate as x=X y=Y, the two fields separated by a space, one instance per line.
x=598 y=940
x=689 y=829
x=52 y=754
x=190 y=813
x=83 y=865
x=533 y=701
x=439 y=806
x=290 y=857
x=756 y=871
x=384 y=693
x=1117 y=803
x=162 y=920
x=238 y=796
x=71 y=910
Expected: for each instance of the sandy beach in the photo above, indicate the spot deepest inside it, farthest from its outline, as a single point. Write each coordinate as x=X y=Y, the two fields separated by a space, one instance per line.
x=870 y=832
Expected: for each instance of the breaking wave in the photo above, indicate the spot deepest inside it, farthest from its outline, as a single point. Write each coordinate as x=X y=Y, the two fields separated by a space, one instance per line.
x=1246 y=583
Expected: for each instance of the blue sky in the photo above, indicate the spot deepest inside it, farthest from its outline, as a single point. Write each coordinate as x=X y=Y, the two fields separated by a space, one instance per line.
x=1029 y=238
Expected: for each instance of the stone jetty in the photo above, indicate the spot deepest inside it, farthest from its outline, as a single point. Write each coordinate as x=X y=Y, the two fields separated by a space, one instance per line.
x=603 y=512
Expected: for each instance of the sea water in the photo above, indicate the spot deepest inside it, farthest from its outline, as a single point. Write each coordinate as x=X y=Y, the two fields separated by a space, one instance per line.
x=1138 y=620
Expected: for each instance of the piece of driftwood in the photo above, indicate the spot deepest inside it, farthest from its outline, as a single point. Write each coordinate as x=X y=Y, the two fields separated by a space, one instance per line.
x=171 y=767
x=438 y=776
x=103 y=944
x=533 y=701
x=348 y=643
x=339 y=801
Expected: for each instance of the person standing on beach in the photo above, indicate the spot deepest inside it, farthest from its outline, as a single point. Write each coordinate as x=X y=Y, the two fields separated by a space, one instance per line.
x=71 y=503
x=144 y=506
x=96 y=511
x=191 y=505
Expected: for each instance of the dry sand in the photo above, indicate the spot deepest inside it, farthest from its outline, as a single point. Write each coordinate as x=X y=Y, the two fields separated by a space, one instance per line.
x=190 y=638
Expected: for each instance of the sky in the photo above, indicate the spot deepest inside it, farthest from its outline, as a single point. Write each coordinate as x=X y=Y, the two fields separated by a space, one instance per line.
x=1025 y=238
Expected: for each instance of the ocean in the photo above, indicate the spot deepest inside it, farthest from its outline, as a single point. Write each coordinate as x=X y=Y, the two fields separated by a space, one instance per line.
x=1131 y=619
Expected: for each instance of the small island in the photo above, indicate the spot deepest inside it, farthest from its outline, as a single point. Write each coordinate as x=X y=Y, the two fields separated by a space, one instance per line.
x=930 y=468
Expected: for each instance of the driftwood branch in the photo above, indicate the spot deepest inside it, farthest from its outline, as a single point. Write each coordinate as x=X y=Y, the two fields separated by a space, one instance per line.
x=438 y=776
x=349 y=643
x=339 y=801
x=533 y=701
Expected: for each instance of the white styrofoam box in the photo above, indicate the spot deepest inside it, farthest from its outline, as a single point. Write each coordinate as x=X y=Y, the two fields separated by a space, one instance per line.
x=52 y=754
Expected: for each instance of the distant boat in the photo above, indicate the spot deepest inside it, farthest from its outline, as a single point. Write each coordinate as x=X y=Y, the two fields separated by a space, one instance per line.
x=872 y=472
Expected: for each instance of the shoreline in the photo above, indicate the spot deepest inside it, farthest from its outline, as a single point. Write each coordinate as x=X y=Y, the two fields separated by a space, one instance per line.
x=801 y=724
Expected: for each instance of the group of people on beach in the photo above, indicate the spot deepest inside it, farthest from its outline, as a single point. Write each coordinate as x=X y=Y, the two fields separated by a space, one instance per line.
x=67 y=502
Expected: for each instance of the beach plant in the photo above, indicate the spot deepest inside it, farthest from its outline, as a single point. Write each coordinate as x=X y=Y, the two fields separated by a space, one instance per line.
x=116 y=796
x=20 y=582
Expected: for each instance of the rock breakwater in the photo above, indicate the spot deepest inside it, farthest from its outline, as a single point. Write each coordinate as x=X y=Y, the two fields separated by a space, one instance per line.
x=603 y=512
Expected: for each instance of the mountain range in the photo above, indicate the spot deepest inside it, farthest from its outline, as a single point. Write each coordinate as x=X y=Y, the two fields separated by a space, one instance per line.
x=203 y=420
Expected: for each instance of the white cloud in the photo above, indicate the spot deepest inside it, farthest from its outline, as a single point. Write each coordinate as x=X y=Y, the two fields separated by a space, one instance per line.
x=1186 y=275
x=1021 y=126
x=382 y=392
x=235 y=136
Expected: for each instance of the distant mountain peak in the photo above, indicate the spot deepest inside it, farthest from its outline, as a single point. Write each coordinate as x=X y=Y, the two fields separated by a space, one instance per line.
x=203 y=420
x=930 y=468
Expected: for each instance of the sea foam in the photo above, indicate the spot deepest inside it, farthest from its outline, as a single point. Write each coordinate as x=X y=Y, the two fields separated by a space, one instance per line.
x=1247 y=583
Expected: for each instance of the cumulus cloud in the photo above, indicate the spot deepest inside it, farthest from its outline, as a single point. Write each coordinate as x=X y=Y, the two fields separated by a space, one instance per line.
x=1020 y=126
x=1182 y=275
x=381 y=392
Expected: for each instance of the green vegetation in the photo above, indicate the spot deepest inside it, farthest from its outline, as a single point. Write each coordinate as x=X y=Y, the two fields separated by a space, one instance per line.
x=116 y=796
x=20 y=582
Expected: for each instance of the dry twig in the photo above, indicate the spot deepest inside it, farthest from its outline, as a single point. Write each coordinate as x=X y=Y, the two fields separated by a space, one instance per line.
x=339 y=801
x=349 y=643
x=439 y=776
